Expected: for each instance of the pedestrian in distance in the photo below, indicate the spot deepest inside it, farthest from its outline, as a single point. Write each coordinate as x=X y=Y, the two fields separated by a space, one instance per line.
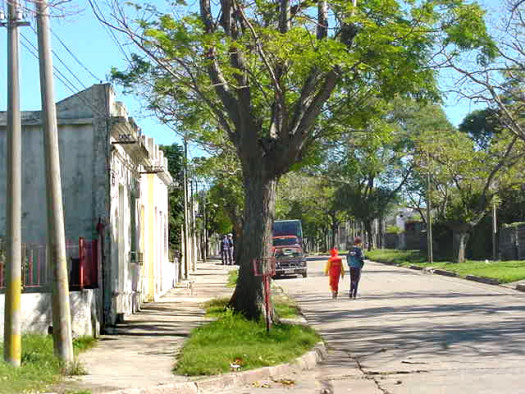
x=335 y=270
x=355 y=260
x=229 y=249
x=224 y=249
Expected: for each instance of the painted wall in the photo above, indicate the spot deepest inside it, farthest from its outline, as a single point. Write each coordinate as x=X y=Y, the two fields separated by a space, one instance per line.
x=36 y=313
x=76 y=165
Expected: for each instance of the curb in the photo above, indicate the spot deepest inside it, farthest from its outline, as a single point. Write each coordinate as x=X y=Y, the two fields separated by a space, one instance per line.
x=520 y=287
x=444 y=273
x=488 y=281
x=220 y=382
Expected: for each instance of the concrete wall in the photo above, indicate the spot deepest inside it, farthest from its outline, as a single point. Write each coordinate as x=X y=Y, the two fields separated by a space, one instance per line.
x=36 y=313
x=76 y=162
x=512 y=243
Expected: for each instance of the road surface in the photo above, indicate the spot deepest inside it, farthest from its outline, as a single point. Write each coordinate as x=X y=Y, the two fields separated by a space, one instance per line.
x=409 y=332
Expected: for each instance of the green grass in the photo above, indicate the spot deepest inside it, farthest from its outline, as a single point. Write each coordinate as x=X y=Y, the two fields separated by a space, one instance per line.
x=213 y=346
x=284 y=306
x=403 y=257
x=40 y=368
x=504 y=271
x=232 y=278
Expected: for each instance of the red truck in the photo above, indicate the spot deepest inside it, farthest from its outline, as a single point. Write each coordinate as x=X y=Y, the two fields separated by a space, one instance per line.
x=289 y=254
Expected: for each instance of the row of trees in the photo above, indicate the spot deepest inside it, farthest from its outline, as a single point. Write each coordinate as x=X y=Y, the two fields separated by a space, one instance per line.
x=275 y=83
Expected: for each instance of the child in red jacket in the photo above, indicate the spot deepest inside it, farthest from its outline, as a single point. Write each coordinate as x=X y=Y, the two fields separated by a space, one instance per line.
x=334 y=269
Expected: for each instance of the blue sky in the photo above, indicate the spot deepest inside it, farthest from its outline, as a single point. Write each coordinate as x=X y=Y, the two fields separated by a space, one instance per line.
x=92 y=44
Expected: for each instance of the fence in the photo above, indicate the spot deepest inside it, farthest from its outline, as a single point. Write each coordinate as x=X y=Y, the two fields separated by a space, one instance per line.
x=82 y=258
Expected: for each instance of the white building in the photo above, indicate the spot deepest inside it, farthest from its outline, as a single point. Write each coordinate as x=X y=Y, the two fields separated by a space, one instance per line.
x=115 y=189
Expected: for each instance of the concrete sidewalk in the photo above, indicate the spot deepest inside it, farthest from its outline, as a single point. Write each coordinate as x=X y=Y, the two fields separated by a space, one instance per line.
x=141 y=351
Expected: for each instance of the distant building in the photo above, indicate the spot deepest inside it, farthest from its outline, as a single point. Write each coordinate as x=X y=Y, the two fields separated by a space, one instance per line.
x=115 y=188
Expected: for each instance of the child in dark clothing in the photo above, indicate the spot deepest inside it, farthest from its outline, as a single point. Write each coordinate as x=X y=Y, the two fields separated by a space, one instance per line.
x=355 y=260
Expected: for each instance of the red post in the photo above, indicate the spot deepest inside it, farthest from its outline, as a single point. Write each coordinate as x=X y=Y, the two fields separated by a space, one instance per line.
x=29 y=256
x=81 y=258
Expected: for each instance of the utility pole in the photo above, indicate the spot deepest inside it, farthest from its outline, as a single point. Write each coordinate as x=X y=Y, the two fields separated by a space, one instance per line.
x=63 y=343
x=13 y=293
x=193 y=229
x=429 y=219
x=186 y=243
x=494 y=232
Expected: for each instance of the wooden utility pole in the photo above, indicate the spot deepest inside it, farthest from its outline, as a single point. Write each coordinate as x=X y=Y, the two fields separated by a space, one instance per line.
x=186 y=227
x=429 y=219
x=55 y=216
x=494 y=232
x=13 y=293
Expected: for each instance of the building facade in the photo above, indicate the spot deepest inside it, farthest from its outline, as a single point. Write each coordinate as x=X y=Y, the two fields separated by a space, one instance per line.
x=115 y=189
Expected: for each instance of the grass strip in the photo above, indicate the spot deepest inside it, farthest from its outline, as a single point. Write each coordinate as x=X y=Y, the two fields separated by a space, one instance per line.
x=212 y=347
x=40 y=368
x=504 y=271
x=232 y=278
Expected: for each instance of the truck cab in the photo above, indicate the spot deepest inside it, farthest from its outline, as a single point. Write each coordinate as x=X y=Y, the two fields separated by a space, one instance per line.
x=289 y=256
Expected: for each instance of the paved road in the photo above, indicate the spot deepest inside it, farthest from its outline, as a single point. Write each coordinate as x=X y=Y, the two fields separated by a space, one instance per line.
x=411 y=332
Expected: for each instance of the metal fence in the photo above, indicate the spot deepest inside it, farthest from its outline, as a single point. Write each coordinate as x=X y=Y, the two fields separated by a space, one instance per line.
x=82 y=258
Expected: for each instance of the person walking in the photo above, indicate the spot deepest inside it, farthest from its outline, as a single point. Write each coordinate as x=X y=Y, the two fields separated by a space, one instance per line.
x=229 y=249
x=225 y=242
x=335 y=270
x=355 y=260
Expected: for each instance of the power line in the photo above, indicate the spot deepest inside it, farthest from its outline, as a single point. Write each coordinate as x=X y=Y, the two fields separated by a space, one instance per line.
x=64 y=64
x=74 y=57
x=60 y=76
x=34 y=51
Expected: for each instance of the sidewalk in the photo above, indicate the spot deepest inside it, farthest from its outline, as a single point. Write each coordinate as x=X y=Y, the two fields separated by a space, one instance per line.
x=141 y=351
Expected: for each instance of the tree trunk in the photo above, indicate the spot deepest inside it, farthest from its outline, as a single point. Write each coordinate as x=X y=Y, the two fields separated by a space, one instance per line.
x=335 y=225
x=254 y=244
x=368 y=230
x=460 y=245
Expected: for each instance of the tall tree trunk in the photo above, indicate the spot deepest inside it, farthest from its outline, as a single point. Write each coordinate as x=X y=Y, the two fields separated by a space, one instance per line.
x=335 y=225
x=368 y=230
x=254 y=244
x=460 y=245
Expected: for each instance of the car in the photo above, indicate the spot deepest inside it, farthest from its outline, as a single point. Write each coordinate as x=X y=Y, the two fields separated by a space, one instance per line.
x=289 y=256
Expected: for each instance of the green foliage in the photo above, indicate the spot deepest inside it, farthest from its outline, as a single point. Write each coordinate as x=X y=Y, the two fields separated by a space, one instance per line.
x=515 y=224
x=391 y=48
x=175 y=155
x=213 y=346
x=394 y=229
x=481 y=125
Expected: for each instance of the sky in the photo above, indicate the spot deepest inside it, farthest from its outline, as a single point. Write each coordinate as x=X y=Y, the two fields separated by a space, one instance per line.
x=93 y=45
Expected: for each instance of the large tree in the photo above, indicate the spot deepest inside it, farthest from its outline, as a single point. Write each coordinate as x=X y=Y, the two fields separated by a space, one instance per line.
x=499 y=83
x=263 y=72
x=175 y=155
x=466 y=180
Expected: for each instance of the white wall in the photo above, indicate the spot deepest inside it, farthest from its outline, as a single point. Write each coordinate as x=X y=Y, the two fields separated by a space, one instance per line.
x=36 y=313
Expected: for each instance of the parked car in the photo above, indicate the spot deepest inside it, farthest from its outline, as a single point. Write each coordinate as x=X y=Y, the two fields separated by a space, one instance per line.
x=289 y=255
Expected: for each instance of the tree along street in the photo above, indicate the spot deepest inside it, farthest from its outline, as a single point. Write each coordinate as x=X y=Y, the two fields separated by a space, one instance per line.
x=411 y=332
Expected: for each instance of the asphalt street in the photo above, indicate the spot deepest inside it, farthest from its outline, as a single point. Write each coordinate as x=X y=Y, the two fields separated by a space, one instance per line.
x=409 y=332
